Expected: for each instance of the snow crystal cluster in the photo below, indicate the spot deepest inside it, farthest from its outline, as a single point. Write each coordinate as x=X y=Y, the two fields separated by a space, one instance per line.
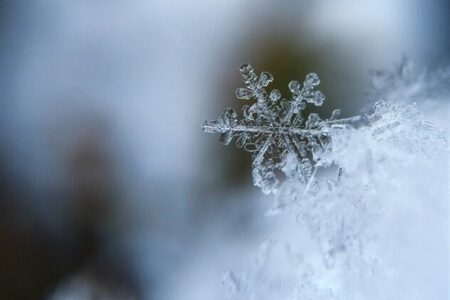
x=377 y=230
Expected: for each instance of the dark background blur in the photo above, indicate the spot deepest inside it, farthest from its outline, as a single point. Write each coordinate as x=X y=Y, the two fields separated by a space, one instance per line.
x=108 y=188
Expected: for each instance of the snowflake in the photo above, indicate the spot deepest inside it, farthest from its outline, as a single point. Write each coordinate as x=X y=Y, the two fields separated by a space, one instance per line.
x=275 y=130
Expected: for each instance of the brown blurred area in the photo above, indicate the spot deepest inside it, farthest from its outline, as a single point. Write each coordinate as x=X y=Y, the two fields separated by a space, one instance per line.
x=34 y=259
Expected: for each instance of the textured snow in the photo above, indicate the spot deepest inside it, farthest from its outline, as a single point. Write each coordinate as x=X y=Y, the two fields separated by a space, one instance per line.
x=373 y=225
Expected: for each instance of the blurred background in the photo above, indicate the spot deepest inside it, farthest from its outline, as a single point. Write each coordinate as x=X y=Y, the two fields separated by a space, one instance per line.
x=108 y=187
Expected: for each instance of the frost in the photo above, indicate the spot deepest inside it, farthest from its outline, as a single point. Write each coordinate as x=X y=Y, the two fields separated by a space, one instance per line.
x=407 y=84
x=345 y=214
x=369 y=219
x=276 y=131
x=406 y=126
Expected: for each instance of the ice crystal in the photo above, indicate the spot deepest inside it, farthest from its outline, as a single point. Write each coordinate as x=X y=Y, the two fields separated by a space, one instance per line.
x=392 y=165
x=348 y=216
x=276 y=131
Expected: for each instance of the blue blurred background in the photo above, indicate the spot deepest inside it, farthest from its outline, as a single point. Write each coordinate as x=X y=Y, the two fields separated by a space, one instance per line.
x=108 y=187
